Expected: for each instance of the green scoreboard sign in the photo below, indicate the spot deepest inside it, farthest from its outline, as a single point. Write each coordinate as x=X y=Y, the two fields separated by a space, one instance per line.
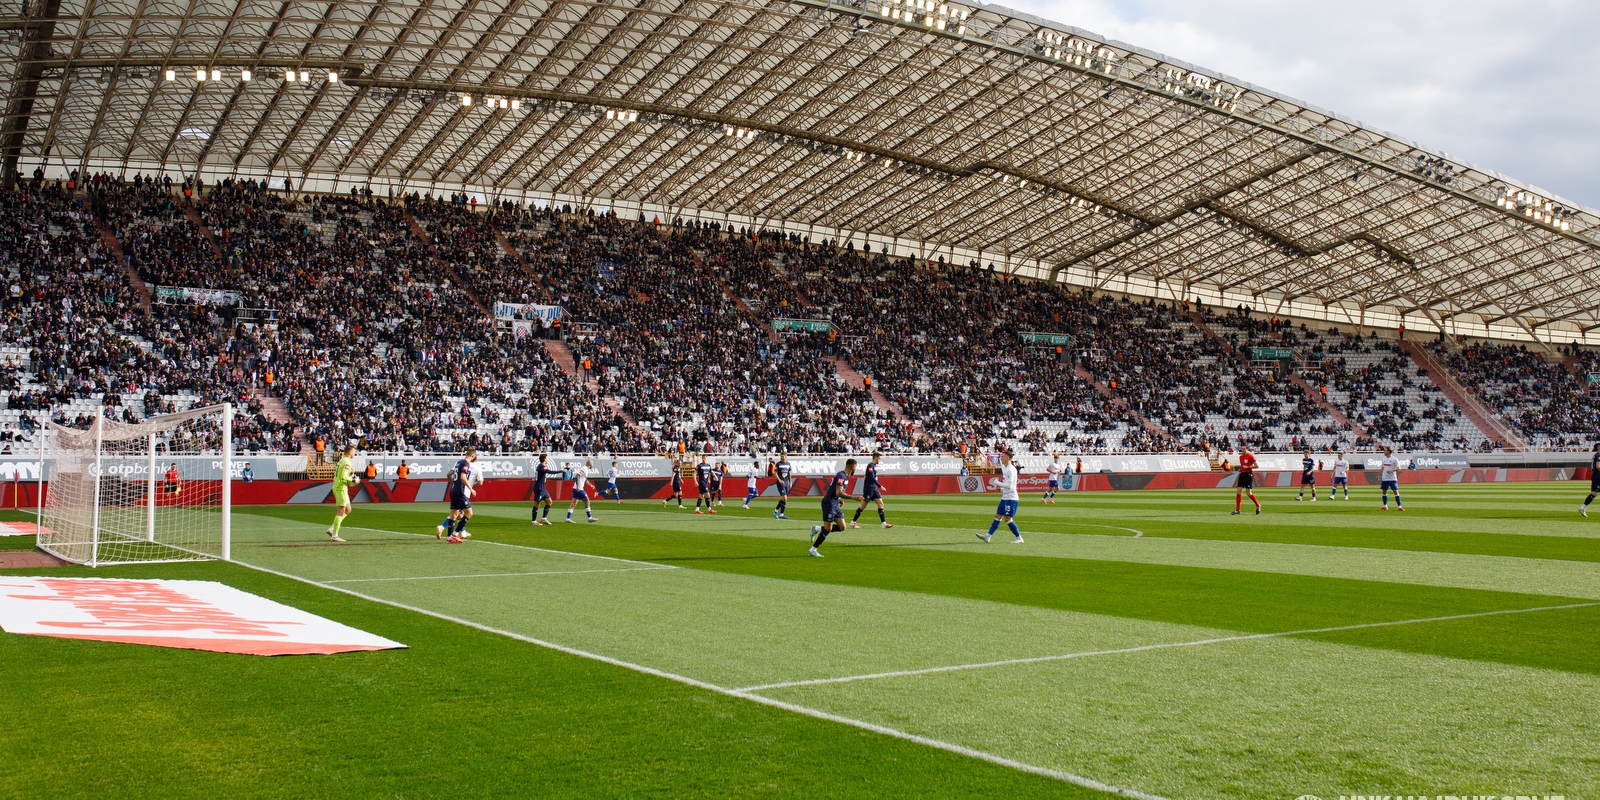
x=1271 y=353
x=801 y=325
x=1051 y=339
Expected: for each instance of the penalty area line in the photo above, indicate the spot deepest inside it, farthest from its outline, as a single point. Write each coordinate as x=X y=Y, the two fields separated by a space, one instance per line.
x=1243 y=637
x=949 y=747
x=501 y=574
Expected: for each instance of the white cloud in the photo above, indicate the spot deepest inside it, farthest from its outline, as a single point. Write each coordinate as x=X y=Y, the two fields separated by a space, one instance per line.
x=1504 y=85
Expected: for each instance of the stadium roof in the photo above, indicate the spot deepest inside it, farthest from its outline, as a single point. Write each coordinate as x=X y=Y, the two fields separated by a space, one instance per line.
x=965 y=130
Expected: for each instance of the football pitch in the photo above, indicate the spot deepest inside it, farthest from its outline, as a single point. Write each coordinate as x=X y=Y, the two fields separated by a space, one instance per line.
x=1138 y=643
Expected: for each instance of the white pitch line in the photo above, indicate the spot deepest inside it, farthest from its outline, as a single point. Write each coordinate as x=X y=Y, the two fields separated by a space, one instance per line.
x=500 y=574
x=1067 y=777
x=1143 y=648
x=525 y=547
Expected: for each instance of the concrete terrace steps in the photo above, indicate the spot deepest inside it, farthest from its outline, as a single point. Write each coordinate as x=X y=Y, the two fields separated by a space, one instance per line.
x=564 y=358
x=859 y=381
x=1111 y=394
x=422 y=236
x=193 y=213
x=108 y=237
x=1305 y=386
x=273 y=408
x=1468 y=401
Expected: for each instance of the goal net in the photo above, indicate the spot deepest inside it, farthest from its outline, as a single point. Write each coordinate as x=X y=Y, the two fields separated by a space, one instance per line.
x=152 y=491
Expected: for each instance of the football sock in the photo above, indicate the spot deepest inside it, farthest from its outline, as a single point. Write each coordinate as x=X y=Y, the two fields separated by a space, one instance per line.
x=461 y=524
x=338 y=520
x=1238 y=502
x=857 y=517
x=1397 y=500
x=546 y=510
x=881 y=517
x=994 y=526
x=782 y=504
x=1255 y=500
x=569 y=514
x=1588 y=500
x=1013 y=526
x=448 y=521
x=821 y=537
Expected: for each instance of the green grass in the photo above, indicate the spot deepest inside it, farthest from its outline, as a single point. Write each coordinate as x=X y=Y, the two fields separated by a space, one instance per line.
x=887 y=630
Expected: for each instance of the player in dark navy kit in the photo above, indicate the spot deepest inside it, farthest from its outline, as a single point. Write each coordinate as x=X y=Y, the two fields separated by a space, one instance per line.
x=462 y=479
x=1308 y=477
x=677 y=485
x=1594 y=480
x=871 y=490
x=782 y=470
x=541 y=492
x=702 y=485
x=718 y=472
x=833 y=506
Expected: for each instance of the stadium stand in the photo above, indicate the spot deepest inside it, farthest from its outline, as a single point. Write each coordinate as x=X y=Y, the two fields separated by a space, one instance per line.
x=357 y=328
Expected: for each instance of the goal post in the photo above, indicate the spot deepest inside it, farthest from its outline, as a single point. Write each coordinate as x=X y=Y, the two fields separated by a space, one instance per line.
x=157 y=490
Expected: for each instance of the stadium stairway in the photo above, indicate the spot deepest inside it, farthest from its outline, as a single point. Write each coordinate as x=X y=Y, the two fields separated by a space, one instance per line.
x=562 y=355
x=1311 y=391
x=859 y=381
x=108 y=238
x=1573 y=366
x=422 y=236
x=505 y=244
x=193 y=213
x=272 y=408
x=1116 y=399
x=1469 y=402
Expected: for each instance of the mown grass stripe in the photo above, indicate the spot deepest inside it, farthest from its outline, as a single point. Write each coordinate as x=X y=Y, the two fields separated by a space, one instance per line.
x=1251 y=602
x=1245 y=637
x=1066 y=777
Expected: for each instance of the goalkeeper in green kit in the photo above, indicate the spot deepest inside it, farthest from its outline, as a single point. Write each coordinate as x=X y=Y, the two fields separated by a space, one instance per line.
x=344 y=478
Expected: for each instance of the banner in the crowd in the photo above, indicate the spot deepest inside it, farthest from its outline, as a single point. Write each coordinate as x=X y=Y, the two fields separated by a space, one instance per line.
x=522 y=328
x=504 y=310
x=193 y=615
x=1051 y=339
x=1271 y=353
x=782 y=325
x=214 y=297
x=1151 y=463
x=1291 y=461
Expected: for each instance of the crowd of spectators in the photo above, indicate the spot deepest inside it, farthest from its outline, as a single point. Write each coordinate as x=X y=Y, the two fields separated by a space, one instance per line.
x=368 y=319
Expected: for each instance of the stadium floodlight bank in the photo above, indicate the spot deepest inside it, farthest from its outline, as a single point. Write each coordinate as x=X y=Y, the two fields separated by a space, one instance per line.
x=138 y=493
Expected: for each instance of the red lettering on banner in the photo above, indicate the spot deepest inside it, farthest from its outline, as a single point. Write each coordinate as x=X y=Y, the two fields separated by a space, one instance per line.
x=142 y=606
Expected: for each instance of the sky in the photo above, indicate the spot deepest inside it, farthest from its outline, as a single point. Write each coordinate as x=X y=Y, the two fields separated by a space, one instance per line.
x=1507 y=85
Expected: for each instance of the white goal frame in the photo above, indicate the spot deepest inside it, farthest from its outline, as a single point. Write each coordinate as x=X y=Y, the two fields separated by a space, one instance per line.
x=87 y=516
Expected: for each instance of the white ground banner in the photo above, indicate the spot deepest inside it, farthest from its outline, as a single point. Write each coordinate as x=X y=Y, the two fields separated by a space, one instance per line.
x=193 y=615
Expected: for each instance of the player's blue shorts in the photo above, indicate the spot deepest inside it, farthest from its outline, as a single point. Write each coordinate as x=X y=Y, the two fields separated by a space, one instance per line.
x=700 y=487
x=580 y=494
x=459 y=501
x=750 y=493
x=783 y=488
x=1340 y=480
x=1395 y=485
x=1055 y=484
x=540 y=493
x=611 y=486
x=871 y=493
x=677 y=486
x=832 y=510
x=1008 y=508
x=1308 y=479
